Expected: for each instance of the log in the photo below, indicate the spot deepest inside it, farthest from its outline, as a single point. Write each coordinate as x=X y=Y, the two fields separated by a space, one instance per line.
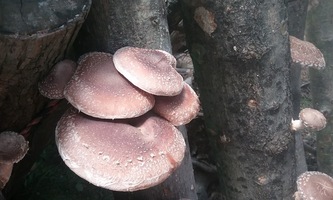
x=30 y=45
x=242 y=70
x=115 y=24
x=296 y=25
x=319 y=31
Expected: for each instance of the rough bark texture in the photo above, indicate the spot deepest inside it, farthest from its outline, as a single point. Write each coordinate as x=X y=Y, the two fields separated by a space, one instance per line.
x=297 y=10
x=30 y=45
x=241 y=58
x=113 y=24
x=320 y=32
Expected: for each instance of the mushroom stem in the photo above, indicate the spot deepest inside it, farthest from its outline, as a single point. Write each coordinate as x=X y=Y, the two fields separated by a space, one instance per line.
x=5 y=172
x=13 y=148
x=297 y=125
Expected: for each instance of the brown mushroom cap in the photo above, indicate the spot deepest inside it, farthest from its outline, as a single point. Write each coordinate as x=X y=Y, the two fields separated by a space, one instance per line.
x=53 y=85
x=117 y=155
x=151 y=70
x=306 y=54
x=98 y=90
x=179 y=109
x=315 y=185
x=13 y=147
x=312 y=119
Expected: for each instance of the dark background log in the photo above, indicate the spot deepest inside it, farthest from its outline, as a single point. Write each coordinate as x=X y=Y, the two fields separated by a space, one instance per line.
x=297 y=10
x=319 y=31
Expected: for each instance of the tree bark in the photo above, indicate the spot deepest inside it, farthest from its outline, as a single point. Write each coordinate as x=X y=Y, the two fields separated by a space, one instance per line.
x=30 y=46
x=114 y=24
x=319 y=31
x=297 y=10
x=241 y=57
x=143 y=23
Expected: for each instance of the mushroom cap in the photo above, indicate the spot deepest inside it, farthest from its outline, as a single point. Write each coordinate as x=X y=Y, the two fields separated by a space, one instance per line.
x=306 y=54
x=98 y=90
x=315 y=185
x=149 y=69
x=53 y=85
x=13 y=147
x=312 y=119
x=179 y=109
x=120 y=155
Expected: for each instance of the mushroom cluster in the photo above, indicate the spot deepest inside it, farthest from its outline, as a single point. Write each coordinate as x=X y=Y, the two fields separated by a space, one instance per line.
x=120 y=133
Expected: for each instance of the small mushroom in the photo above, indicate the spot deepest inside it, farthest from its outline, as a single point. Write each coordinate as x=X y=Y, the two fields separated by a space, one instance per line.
x=13 y=148
x=309 y=118
x=53 y=85
x=98 y=90
x=179 y=109
x=120 y=155
x=306 y=54
x=151 y=70
x=314 y=185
